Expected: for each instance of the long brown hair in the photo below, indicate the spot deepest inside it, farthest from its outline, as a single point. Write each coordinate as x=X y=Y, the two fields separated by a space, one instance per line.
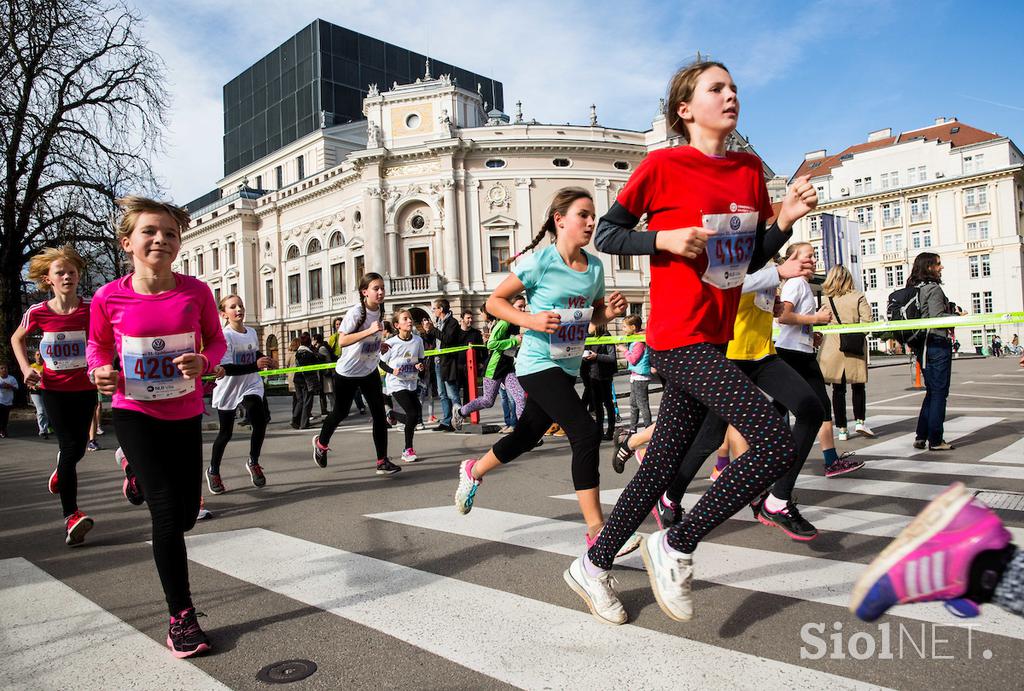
x=680 y=90
x=924 y=269
x=564 y=198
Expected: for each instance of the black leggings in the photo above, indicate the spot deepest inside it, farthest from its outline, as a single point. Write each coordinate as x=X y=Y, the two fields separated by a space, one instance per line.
x=257 y=413
x=698 y=378
x=806 y=365
x=860 y=402
x=551 y=396
x=409 y=401
x=783 y=384
x=70 y=418
x=601 y=400
x=344 y=390
x=167 y=458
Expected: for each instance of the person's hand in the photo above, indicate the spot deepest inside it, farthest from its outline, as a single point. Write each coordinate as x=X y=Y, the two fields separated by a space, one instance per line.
x=777 y=307
x=589 y=355
x=374 y=327
x=191 y=365
x=106 y=378
x=265 y=362
x=31 y=377
x=800 y=200
x=544 y=322
x=519 y=339
x=419 y=367
x=615 y=305
x=218 y=372
x=384 y=348
x=817 y=339
x=685 y=242
x=823 y=315
x=796 y=266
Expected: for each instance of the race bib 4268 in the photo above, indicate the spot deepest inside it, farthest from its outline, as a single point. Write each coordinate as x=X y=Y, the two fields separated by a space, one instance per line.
x=149 y=370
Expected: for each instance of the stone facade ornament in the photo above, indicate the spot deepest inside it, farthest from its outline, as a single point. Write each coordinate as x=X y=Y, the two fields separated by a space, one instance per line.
x=372 y=91
x=498 y=197
x=373 y=136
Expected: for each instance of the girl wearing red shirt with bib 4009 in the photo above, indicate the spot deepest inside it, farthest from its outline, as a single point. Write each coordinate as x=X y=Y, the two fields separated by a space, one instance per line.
x=165 y=329
x=707 y=210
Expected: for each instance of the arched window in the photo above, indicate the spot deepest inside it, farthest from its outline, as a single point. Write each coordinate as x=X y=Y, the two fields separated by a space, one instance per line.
x=272 y=346
x=336 y=240
x=313 y=246
x=293 y=252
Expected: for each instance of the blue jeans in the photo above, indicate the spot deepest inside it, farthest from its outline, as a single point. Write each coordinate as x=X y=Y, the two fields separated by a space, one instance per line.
x=938 y=371
x=448 y=392
x=508 y=408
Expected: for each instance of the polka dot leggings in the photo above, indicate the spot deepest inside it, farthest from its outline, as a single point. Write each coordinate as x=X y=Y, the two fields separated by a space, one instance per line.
x=699 y=378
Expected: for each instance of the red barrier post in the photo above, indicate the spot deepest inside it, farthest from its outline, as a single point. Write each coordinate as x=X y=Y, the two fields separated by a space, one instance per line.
x=474 y=417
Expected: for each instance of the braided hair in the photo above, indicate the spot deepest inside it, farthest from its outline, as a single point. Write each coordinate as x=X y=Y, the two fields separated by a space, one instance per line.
x=364 y=283
x=564 y=199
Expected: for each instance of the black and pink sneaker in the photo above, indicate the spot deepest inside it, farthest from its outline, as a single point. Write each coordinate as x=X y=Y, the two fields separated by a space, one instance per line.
x=131 y=488
x=77 y=525
x=185 y=637
x=843 y=465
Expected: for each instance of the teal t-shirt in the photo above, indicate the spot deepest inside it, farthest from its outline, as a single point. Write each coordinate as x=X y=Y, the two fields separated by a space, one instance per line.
x=551 y=285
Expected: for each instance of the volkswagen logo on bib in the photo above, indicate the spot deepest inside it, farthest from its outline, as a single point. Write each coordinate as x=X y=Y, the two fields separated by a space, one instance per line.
x=61 y=337
x=734 y=222
x=577 y=315
x=158 y=344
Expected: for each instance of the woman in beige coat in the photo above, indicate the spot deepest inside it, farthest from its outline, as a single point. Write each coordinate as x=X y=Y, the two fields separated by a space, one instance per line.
x=839 y=368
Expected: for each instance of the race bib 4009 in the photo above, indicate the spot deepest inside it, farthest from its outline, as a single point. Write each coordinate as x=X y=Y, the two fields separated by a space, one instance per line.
x=730 y=248
x=149 y=370
x=567 y=341
x=63 y=350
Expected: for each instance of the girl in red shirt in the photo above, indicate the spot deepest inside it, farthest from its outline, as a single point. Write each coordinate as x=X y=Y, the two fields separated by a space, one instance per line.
x=68 y=396
x=707 y=210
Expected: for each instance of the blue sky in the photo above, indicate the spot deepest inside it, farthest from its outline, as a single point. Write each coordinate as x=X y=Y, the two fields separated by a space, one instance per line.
x=811 y=75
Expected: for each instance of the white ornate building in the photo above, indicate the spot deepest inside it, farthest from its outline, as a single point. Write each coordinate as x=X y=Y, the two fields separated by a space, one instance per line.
x=948 y=188
x=430 y=190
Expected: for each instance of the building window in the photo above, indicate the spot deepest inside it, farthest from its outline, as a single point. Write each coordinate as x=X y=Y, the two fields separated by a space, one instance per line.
x=293 y=252
x=868 y=246
x=335 y=240
x=974 y=266
x=918 y=174
x=986 y=265
x=412 y=121
x=360 y=268
x=231 y=254
x=987 y=301
x=216 y=295
x=294 y=289
x=338 y=278
x=865 y=215
x=815 y=226
x=279 y=176
x=234 y=289
x=894 y=276
x=184 y=266
x=216 y=259
x=974 y=164
x=268 y=293
x=357 y=216
x=975 y=303
x=494 y=163
x=626 y=262
x=862 y=185
x=874 y=311
x=893 y=242
x=621 y=165
x=417 y=221
x=500 y=253
x=419 y=261
x=890 y=180
x=259 y=182
x=892 y=213
x=313 y=246
x=977 y=230
x=921 y=239
x=561 y=162
x=870 y=278
x=976 y=199
x=200 y=269
x=300 y=165
x=316 y=284
x=918 y=209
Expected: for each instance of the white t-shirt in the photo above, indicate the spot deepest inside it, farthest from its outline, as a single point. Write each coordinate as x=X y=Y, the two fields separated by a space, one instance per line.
x=7 y=390
x=798 y=336
x=242 y=350
x=361 y=357
x=403 y=356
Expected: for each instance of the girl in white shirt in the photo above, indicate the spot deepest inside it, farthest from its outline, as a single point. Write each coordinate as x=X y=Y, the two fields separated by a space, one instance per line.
x=402 y=364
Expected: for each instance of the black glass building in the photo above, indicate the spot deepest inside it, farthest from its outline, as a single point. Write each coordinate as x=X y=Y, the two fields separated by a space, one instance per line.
x=323 y=68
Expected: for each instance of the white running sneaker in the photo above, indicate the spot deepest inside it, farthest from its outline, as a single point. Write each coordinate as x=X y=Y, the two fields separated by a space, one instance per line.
x=863 y=430
x=409 y=456
x=457 y=418
x=468 y=485
x=671 y=577
x=842 y=434
x=598 y=592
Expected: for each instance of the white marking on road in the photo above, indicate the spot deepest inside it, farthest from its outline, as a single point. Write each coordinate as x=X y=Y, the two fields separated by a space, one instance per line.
x=1014 y=453
x=896 y=398
x=813 y=579
x=903 y=445
x=55 y=638
x=994 y=398
x=541 y=645
x=953 y=409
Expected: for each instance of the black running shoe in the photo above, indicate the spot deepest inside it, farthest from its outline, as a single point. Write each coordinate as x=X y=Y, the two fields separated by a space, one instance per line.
x=622 y=452
x=391 y=418
x=319 y=452
x=214 y=482
x=185 y=637
x=757 y=505
x=386 y=467
x=667 y=516
x=789 y=521
x=256 y=474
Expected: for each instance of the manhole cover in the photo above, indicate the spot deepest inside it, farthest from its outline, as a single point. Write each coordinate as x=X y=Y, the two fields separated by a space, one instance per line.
x=1013 y=501
x=287 y=671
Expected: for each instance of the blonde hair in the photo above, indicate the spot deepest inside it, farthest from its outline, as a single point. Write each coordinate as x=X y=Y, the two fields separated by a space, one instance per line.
x=794 y=247
x=838 y=282
x=132 y=207
x=680 y=90
x=39 y=264
x=224 y=301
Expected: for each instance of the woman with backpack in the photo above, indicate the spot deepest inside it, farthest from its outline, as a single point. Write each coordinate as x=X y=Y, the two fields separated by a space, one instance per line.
x=843 y=357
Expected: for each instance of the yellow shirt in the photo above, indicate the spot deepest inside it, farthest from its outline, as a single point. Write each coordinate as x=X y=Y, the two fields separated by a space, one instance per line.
x=752 y=334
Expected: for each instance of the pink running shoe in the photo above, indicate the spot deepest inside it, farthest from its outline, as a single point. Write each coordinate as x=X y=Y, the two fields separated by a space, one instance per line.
x=931 y=558
x=844 y=465
x=52 y=484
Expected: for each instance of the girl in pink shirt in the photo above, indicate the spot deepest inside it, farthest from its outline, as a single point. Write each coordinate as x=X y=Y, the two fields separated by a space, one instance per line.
x=164 y=328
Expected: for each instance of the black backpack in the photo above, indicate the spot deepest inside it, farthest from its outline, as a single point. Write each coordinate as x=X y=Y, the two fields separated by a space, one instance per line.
x=905 y=303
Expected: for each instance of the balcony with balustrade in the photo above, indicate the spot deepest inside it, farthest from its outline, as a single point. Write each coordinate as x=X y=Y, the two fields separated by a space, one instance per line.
x=415 y=285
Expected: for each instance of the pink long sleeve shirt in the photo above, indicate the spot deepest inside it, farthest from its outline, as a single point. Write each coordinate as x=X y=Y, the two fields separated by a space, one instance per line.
x=147 y=332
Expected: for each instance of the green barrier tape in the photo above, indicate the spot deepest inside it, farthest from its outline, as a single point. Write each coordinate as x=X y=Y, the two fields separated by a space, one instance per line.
x=866 y=327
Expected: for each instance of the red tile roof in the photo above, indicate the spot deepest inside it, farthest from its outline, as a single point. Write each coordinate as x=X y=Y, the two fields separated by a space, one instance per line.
x=964 y=136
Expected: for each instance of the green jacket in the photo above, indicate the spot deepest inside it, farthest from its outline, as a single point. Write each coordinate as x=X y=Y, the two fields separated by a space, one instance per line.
x=498 y=343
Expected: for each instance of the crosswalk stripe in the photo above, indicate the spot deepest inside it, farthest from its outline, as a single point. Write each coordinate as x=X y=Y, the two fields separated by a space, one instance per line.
x=851 y=484
x=876 y=422
x=824 y=581
x=903 y=445
x=824 y=518
x=1014 y=453
x=52 y=634
x=945 y=468
x=540 y=645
